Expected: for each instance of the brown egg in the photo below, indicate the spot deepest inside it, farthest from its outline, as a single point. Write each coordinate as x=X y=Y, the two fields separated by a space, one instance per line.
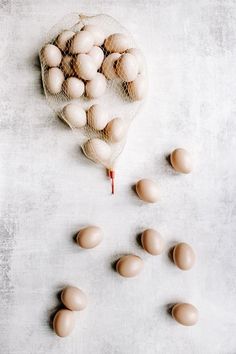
x=51 y=55
x=63 y=39
x=54 y=79
x=115 y=130
x=73 y=87
x=129 y=266
x=74 y=115
x=97 y=117
x=97 y=150
x=97 y=33
x=147 y=190
x=137 y=89
x=185 y=314
x=96 y=87
x=152 y=242
x=85 y=67
x=89 y=237
x=64 y=322
x=184 y=256
x=181 y=161
x=73 y=298
x=117 y=42
x=108 y=66
x=96 y=53
x=127 y=67
x=139 y=56
x=81 y=43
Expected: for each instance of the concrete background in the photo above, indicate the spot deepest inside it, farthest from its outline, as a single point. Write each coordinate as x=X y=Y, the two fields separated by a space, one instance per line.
x=49 y=190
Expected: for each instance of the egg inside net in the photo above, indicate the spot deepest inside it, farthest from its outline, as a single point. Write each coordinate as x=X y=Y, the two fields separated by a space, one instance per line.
x=94 y=78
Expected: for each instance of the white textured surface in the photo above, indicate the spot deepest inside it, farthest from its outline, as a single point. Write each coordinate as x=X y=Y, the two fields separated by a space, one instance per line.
x=49 y=190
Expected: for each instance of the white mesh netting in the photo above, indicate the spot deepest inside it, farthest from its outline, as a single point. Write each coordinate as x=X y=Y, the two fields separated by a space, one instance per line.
x=94 y=78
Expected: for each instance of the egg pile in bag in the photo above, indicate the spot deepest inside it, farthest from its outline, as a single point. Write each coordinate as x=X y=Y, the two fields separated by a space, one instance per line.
x=94 y=78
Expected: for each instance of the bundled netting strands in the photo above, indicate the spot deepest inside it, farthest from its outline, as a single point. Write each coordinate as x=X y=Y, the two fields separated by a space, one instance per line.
x=94 y=78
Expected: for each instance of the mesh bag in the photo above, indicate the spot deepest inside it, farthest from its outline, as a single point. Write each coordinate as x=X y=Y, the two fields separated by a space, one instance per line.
x=97 y=87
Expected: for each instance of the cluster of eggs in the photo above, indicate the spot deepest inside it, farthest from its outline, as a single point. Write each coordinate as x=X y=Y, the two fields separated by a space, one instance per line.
x=129 y=266
x=74 y=299
x=80 y=63
x=96 y=118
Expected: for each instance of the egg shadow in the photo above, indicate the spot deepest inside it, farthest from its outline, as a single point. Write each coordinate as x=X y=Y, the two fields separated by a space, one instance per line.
x=138 y=240
x=169 y=308
x=170 y=254
x=56 y=308
x=167 y=158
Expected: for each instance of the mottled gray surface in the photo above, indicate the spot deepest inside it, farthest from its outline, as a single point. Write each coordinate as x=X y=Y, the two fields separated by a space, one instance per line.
x=49 y=190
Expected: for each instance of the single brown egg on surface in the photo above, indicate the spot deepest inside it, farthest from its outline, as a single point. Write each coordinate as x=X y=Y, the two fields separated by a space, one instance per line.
x=51 y=55
x=64 y=322
x=129 y=266
x=115 y=130
x=108 y=66
x=89 y=237
x=185 y=314
x=97 y=33
x=97 y=150
x=184 y=256
x=137 y=89
x=181 y=160
x=127 y=67
x=85 y=67
x=152 y=242
x=147 y=190
x=74 y=298
x=117 y=43
x=63 y=39
x=74 y=115
x=73 y=87
x=96 y=87
x=81 y=43
x=54 y=79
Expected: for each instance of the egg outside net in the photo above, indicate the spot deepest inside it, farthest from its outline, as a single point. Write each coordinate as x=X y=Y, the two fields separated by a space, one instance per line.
x=117 y=99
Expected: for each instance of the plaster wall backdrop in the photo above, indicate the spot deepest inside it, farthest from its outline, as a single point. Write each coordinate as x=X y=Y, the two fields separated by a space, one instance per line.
x=48 y=189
